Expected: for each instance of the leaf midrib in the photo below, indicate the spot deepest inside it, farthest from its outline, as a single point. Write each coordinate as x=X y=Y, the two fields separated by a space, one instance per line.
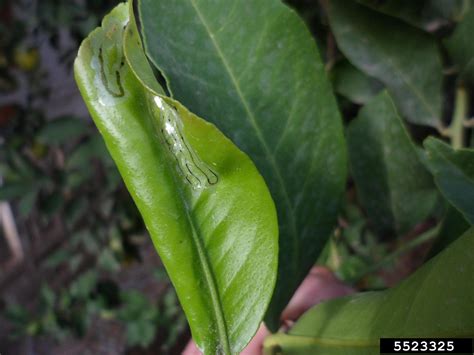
x=210 y=280
x=252 y=120
x=197 y=239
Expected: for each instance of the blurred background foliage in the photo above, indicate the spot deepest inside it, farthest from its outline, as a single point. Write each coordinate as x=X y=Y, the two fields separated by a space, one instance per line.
x=86 y=260
x=87 y=279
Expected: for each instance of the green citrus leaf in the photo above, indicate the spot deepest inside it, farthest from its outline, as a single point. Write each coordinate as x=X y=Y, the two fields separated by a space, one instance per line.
x=435 y=302
x=428 y=15
x=454 y=174
x=353 y=84
x=461 y=46
x=62 y=130
x=393 y=185
x=402 y=57
x=252 y=68
x=208 y=211
x=452 y=226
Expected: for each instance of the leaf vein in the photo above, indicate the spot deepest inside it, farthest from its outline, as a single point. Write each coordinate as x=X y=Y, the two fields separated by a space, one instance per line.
x=252 y=120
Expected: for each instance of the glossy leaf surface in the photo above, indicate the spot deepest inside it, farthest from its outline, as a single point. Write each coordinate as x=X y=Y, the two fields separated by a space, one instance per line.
x=253 y=69
x=454 y=174
x=435 y=302
x=209 y=212
x=393 y=185
x=403 y=57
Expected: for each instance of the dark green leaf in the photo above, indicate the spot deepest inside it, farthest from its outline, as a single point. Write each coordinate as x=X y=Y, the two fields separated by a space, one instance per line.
x=207 y=209
x=160 y=274
x=136 y=306
x=140 y=333
x=74 y=262
x=452 y=226
x=392 y=184
x=75 y=178
x=17 y=314
x=22 y=166
x=407 y=10
x=140 y=317
x=27 y=202
x=461 y=46
x=454 y=174
x=426 y=14
x=108 y=262
x=435 y=302
x=84 y=285
x=47 y=296
x=75 y=210
x=62 y=130
x=82 y=155
x=89 y=241
x=254 y=70
x=13 y=190
x=351 y=83
x=57 y=258
x=404 y=58
x=52 y=203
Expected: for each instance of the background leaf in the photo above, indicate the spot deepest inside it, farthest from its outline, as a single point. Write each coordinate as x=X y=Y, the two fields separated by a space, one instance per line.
x=81 y=157
x=253 y=69
x=353 y=84
x=407 y=10
x=16 y=189
x=435 y=302
x=454 y=174
x=452 y=226
x=393 y=185
x=62 y=130
x=404 y=58
x=219 y=243
x=426 y=14
x=461 y=46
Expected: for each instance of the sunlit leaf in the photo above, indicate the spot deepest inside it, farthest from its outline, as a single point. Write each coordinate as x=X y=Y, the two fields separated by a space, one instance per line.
x=209 y=213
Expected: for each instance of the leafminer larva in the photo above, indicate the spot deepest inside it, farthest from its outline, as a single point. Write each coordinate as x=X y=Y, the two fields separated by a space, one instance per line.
x=189 y=164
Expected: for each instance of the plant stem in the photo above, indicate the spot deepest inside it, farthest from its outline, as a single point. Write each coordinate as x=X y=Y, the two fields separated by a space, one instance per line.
x=412 y=244
x=460 y=112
